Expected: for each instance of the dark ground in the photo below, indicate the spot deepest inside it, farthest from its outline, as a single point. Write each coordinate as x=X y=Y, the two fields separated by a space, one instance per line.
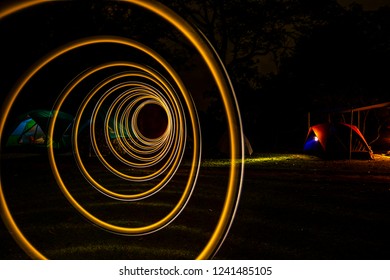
x=292 y=207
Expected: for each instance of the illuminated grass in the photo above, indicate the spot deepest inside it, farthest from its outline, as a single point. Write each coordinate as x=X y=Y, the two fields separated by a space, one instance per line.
x=111 y=246
x=116 y=251
x=258 y=160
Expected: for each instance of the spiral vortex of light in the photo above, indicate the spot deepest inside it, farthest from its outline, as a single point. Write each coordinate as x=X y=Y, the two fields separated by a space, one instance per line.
x=113 y=109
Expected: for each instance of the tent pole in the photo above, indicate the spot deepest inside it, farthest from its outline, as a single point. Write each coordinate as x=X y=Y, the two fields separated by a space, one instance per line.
x=350 y=137
x=358 y=120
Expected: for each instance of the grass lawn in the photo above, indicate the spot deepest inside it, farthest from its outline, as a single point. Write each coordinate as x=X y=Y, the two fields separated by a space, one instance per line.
x=292 y=207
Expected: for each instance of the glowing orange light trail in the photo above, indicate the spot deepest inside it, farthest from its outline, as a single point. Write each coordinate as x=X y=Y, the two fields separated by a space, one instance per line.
x=173 y=138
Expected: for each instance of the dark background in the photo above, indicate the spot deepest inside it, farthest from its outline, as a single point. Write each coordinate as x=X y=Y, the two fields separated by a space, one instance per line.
x=285 y=58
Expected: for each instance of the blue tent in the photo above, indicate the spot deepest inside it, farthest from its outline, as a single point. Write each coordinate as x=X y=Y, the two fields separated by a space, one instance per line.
x=32 y=130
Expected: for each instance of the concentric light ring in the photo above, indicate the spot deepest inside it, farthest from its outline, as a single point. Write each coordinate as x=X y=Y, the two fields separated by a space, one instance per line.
x=229 y=102
x=196 y=152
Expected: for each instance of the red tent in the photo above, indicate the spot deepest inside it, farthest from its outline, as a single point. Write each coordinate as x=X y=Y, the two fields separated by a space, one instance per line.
x=337 y=141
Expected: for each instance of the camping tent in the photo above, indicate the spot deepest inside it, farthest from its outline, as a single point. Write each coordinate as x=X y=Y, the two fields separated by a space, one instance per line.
x=337 y=141
x=224 y=145
x=382 y=143
x=116 y=130
x=32 y=130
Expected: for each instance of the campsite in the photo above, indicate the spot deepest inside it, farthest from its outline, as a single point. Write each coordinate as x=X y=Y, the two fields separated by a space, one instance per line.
x=327 y=199
x=148 y=130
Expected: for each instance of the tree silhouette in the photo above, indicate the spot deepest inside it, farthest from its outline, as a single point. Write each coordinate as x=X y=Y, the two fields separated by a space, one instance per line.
x=285 y=57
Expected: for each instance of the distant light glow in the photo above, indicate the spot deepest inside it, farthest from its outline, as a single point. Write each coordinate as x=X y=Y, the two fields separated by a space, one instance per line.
x=316 y=138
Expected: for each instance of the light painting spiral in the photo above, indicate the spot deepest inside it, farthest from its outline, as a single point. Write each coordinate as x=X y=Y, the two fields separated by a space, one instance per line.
x=135 y=136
